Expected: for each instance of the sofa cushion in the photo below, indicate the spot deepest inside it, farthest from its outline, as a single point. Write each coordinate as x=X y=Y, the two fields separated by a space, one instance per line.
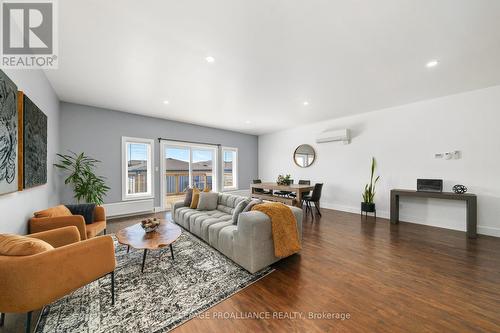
x=196 y=198
x=239 y=208
x=226 y=241
x=85 y=210
x=199 y=223
x=14 y=245
x=214 y=231
x=251 y=204
x=228 y=202
x=188 y=198
x=56 y=211
x=208 y=201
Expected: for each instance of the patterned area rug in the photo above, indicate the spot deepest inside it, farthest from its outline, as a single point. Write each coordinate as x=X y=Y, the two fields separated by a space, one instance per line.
x=167 y=294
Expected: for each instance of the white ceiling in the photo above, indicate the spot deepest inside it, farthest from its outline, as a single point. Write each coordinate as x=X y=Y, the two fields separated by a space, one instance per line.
x=344 y=57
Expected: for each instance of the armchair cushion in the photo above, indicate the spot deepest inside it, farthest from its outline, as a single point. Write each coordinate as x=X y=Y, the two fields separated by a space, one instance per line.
x=14 y=245
x=85 y=210
x=95 y=228
x=56 y=211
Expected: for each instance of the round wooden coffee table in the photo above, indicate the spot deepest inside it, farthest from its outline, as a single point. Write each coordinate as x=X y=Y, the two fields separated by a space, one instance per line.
x=134 y=236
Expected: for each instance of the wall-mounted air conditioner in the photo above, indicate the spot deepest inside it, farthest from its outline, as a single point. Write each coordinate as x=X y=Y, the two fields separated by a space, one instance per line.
x=343 y=135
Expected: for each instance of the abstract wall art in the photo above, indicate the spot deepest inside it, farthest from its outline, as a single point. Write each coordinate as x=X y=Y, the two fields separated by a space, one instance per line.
x=34 y=144
x=8 y=135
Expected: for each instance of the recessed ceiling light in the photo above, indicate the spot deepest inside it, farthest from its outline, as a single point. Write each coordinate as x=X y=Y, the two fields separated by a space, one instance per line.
x=432 y=63
x=247 y=121
x=306 y=103
x=210 y=59
x=166 y=102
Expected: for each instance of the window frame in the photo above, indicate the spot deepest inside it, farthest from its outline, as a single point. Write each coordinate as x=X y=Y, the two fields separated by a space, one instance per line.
x=150 y=167
x=235 y=186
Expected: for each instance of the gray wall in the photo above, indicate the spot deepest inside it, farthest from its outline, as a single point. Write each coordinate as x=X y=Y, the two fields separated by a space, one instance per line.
x=18 y=207
x=98 y=133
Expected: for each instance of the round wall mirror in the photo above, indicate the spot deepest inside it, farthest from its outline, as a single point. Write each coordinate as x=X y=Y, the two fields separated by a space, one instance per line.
x=304 y=156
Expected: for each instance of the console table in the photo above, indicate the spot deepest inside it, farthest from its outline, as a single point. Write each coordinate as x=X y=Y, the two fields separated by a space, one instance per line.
x=470 y=200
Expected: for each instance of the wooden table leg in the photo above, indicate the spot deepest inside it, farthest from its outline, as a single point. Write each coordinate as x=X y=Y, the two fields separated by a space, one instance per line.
x=299 y=199
x=144 y=260
x=471 y=217
x=394 y=208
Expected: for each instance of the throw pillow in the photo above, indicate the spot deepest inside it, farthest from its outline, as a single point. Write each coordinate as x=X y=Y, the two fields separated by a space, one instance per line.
x=206 y=189
x=239 y=209
x=251 y=204
x=85 y=210
x=188 y=198
x=14 y=245
x=196 y=197
x=208 y=201
x=56 y=211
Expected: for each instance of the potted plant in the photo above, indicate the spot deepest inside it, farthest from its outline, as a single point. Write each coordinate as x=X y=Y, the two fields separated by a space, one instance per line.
x=368 y=205
x=87 y=186
x=284 y=180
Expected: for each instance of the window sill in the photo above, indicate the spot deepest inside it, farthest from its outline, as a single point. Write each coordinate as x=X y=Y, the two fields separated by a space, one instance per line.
x=139 y=197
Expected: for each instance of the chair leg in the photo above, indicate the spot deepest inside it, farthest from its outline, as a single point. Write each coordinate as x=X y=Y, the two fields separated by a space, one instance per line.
x=113 y=288
x=2 y=319
x=316 y=204
x=310 y=209
x=28 y=322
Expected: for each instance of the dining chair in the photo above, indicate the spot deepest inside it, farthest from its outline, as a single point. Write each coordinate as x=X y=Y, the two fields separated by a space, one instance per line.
x=284 y=193
x=314 y=198
x=302 y=182
x=260 y=190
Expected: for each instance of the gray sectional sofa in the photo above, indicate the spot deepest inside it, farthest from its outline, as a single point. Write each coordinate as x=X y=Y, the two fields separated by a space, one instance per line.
x=249 y=243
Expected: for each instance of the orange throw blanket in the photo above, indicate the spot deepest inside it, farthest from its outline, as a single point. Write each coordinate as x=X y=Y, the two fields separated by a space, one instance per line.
x=284 y=228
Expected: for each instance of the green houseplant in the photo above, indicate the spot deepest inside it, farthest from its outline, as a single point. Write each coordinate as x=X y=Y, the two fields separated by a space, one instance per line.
x=368 y=204
x=283 y=180
x=87 y=186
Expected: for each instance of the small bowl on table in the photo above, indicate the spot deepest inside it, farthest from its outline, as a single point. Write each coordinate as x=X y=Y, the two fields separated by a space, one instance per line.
x=150 y=225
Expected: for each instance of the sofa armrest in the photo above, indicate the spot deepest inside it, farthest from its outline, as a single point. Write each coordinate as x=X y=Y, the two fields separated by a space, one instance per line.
x=30 y=282
x=59 y=237
x=299 y=215
x=176 y=205
x=253 y=240
x=50 y=223
x=99 y=214
x=256 y=226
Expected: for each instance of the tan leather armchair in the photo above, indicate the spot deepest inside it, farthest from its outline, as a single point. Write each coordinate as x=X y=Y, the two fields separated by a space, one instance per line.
x=29 y=282
x=86 y=230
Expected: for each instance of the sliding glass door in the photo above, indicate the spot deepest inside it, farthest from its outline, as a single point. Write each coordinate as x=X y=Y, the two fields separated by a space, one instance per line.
x=203 y=161
x=186 y=165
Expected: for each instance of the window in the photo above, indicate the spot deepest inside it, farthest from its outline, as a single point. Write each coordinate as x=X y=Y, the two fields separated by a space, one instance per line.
x=137 y=161
x=230 y=168
x=184 y=165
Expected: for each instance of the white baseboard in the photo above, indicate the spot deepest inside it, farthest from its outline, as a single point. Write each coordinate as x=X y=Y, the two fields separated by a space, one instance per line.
x=490 y=231
x=483 y=230
x=160 y=209
x=129 y=207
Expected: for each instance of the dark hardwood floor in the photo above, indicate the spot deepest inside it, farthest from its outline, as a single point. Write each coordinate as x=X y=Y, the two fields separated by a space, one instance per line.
x=387 y=278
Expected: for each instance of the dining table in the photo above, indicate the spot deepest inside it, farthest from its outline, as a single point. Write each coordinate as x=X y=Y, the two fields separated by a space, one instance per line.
x=298 y=189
